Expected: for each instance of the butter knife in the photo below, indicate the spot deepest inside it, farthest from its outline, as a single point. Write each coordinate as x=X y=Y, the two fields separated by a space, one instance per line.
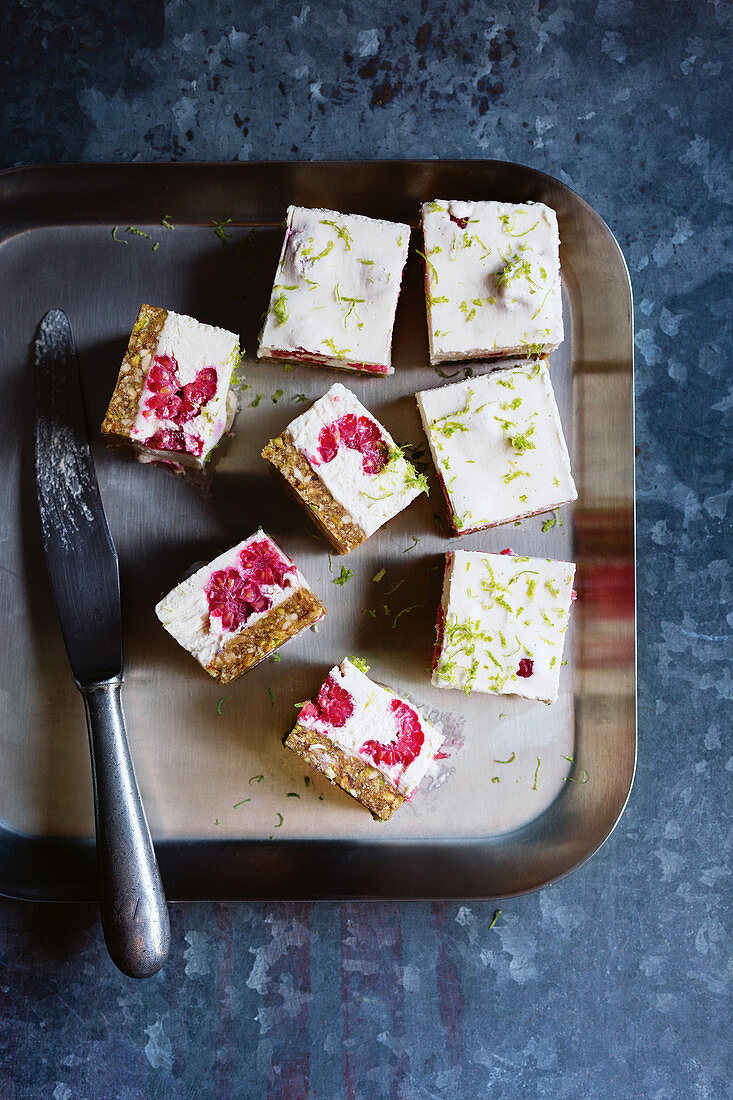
x=82 y=567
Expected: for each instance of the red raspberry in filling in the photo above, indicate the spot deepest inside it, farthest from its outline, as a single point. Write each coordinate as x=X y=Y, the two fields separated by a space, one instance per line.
x=358 y=433
x=233 y=598
x=334 y=705
x=198 y=393
x=409 y=739
x=526 y=667
x=463 y=222
x=263 y=565
x=177 y=404
x=167 y=439
x=327 y=444
x=234 y=594
x=508 y=551
x=162 y=381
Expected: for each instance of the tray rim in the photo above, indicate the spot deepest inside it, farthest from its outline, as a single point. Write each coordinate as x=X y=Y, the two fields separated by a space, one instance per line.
x=73 y=863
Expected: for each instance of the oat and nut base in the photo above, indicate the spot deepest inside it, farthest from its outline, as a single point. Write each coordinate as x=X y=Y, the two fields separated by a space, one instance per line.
x=327 y=513
x=248 y=648
x=125 y=400
x=365 y=783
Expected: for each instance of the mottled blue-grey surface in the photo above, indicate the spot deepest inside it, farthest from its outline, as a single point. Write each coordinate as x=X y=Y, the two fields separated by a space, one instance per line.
x=611 y=984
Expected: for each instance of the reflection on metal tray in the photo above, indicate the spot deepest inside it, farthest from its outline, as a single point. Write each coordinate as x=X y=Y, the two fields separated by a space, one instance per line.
x=214 y=775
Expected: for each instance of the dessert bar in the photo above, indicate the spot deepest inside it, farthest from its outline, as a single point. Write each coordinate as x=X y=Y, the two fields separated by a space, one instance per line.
x=336 y=289
x=173 y=400
x=241 y=607
x=492 y=279
x=345 y=468
x=366 y=739
x=498 y=446
x=501 y=624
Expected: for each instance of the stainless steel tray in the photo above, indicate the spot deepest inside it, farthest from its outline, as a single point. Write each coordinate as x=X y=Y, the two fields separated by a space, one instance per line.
x=200 y=750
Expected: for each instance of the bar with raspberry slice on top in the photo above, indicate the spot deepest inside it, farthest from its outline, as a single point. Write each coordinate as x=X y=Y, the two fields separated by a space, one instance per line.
x=345 y=468
x=336 y=289
x=498 y=446
x=492 y=279
x=366 y=739
x=501 y=624
x=235 y=611
x=173 y=399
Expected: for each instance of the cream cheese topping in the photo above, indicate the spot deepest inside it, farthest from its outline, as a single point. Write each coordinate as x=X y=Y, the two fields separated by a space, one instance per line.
x=194 y=346
x=370 y=499
x=498 y=445
x=503 y=616
x=184 y=612
x=492 y=279
x=336 y=288
x=376 y=718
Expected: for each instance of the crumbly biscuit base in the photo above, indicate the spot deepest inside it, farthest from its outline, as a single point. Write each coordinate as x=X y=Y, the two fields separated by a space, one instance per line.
x=330 y=516
x=359 y=779
x=125 y=400
x=250 y=646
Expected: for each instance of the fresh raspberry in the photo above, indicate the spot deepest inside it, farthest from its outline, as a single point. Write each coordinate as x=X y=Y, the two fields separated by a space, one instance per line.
x=334 y=705
x=409 y=739
x=167 y=439
x=163 y=375
x=463 y=222
x=358 y=433
x=233 y=598
x=309 y=713
x=264 y=565
x=526 y=667
x=327 y=444
x=177 y=405
x=198 y=393
x=375 y=457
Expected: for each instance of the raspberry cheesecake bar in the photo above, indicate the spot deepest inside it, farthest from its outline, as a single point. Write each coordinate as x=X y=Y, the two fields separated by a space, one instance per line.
x=172 y=401
x=336 y=289
x=345 y=468
x=498 y=446
x=242 y=606
x=501 y=624
x=366 y=739
x=492 y=279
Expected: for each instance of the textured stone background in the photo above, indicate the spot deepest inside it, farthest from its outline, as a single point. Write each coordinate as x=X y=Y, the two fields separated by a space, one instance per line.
x=611 y=984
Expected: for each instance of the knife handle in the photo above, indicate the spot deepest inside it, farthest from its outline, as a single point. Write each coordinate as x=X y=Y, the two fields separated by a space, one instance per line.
x=134 y=912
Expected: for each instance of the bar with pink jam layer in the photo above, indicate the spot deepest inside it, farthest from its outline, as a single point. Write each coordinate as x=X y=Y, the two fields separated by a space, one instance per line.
x=336 y=288
x=501 y=624
x=498 y=446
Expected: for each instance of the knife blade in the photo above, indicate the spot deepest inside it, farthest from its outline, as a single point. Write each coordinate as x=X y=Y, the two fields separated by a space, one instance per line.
x=84 y=575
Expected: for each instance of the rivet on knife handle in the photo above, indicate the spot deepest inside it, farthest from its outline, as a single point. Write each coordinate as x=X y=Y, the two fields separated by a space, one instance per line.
x=134 y=913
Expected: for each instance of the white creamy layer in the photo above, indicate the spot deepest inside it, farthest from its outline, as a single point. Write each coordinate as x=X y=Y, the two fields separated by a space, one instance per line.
x=194 y=346
x=184 y=612
x=493 y=283
x=498 y=445
x=373 y=720
x=370 y=499
x=336 y=287
x=500 y=609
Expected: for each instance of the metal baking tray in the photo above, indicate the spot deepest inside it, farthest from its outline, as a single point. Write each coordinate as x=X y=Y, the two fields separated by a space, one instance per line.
x=231 y=810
